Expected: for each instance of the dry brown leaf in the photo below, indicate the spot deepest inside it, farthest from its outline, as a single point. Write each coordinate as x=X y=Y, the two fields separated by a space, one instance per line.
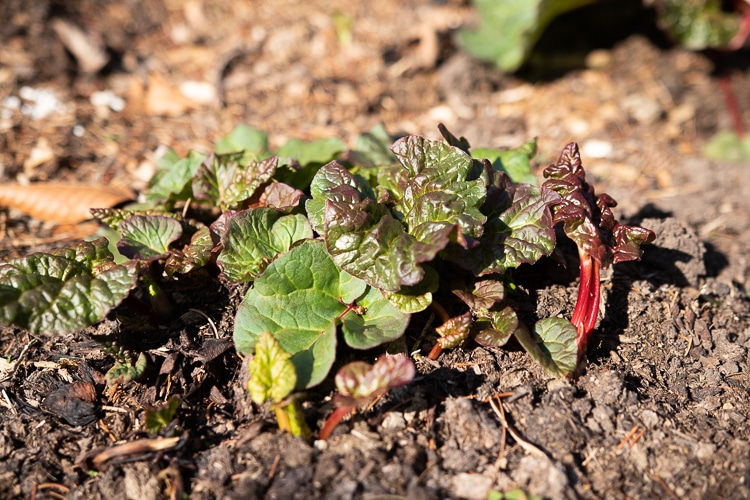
x=61 y=203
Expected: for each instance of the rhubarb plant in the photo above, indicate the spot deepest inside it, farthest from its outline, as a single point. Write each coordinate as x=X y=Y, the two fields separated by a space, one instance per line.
x=338 y=250
x=588 y=220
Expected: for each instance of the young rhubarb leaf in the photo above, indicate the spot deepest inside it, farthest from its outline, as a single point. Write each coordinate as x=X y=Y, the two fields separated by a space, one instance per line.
x=253 y=143
x=254 y=237
x=484 y=295
x=335 y=183
x=441 y=190
x=416 y=298
x=280 y=196
x=380 y=322
x=303 y=159
x=225 y=182
x=519 y=228
x=148 y=237
x=552 y=344
x=173 y=177
x=157 y=419
x=454 y=331
x=588 y=220
x=514 y=162
x=64 y=290
x=359 y=382
x=495 y=327
x=298 y=299
x=272 y=375
x=195 y=255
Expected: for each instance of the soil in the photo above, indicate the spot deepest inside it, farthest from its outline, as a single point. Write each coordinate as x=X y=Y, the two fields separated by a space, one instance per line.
x=662 y=409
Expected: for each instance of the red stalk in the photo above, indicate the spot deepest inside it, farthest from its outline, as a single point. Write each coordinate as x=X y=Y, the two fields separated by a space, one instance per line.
x=334 y=420
x=587 y=305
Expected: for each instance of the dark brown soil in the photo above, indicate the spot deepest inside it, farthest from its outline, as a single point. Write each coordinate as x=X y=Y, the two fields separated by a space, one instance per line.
x=662 y=410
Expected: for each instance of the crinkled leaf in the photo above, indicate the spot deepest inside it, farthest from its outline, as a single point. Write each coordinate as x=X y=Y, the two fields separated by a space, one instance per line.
x=224 y=181
x=440 y=190
x=364 y=239
x=193 y=256
x=333 y=182
x=272 y=375
x=699 y=24
x=587 y=218
x=64 y=290
x=281 y=196
x=494 y=328
x=381 y=322
x=519 y=230
x=173 y=177
x=454 y=331
x=157 y=419
x=510 y=28
x=359 y=382
x=148 y=237
x=416 y=298
x=552 y=344
x=514 y=162
x=298 y=299
x=484 y=295
x=127 y=370
x=113 y=217
x=255 y=237
x=253 y=143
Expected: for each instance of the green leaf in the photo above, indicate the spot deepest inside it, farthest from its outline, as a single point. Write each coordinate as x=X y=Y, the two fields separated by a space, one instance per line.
x=113 y=217
x=157 y=419
x=303 y=159
x=299 y=299
x=272 y=375
x=514 y=162
x=373 y=148
x=510 y=28
x=148 y=237
x=440 y=191
x=359 y=382
x=416 y=298
x=223 y=180
x=64 y=290
x=126 y=370
x=193 y=256
x=255 y=237
x=494 y=328
x=380 y=323
x=552 y=344
x=728 y=146
x=251 y=142
x=172 y=179
x=519 y=230
x=454 y=331
x=699 y=24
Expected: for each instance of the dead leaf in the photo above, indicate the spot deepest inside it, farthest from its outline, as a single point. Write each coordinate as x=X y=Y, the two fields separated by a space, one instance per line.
x=166 y=99
x=61 y=203
x=73 y=402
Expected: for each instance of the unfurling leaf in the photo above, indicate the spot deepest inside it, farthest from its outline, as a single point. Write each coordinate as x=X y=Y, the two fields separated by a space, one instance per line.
x=495 y=327
x=63 y=290
x=148 y=237
x=485 y=294
x=127 y=370
x=254 y=237
x=157 y=419
x=454 y=331
x=272 y=375
x=193 y=256
x=359 y=382
x=224 y=181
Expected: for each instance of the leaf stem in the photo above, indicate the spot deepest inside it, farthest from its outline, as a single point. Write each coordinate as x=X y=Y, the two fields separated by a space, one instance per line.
x=333 y=420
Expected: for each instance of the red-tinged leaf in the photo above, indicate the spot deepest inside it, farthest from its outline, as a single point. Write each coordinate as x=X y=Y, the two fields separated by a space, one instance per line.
x=454 y=331
x=359 y=382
